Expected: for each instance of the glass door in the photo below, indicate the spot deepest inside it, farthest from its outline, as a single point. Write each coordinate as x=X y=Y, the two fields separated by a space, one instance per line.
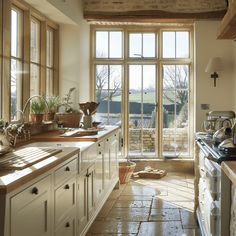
x=142 y=110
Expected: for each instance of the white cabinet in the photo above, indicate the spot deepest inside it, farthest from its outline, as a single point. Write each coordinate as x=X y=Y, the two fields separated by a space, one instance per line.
x=65 y=198
x=67 y=227
x=114 y=148
x=85 y=199
x=30 y=210
x=64 y=202
x=82 y=210
x=99 y=173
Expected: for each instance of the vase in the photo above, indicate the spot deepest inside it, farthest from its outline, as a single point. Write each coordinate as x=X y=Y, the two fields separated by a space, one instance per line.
x=37 y=118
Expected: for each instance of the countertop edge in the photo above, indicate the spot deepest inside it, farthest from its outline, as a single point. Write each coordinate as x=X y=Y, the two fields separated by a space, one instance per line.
x=229 y=168
x=5 y=189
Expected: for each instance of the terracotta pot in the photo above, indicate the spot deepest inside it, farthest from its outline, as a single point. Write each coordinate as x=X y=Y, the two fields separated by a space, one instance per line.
x=49 y=116
x=37 y=118
x=126 y=170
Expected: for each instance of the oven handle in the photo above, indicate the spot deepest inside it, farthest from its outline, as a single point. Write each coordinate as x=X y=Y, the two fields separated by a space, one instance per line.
x=201 y=146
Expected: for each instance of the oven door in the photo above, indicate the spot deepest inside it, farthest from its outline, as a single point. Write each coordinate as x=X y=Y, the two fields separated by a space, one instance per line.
x=211 y=215
x=213 y=178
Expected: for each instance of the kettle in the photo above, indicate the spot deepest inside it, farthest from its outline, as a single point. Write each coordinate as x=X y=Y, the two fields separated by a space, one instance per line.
x=221 y=134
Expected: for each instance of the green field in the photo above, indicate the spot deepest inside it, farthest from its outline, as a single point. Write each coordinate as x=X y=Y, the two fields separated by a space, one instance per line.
x=147 y=98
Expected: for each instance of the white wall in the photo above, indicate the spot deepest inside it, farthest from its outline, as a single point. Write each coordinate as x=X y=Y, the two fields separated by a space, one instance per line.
x=222 y=96
x=74 y=51
x=74 y=60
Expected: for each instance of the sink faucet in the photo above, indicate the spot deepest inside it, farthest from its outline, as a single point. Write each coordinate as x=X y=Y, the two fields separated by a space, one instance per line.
x=34 y=96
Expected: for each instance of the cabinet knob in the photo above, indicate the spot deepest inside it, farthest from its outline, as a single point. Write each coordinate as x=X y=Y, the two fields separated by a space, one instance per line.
x=67 y=168
x=67 y=186
x=87 y=175
x=35 y=190
x=67 y=224
x=107 y=139
x=99 y=145
x=99 y=153
x=115 y=135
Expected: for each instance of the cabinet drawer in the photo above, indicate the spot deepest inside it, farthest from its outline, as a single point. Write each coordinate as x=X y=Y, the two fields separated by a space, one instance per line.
x=67 y=227
x=31 y=193
x=64 y=200
x=66 y=171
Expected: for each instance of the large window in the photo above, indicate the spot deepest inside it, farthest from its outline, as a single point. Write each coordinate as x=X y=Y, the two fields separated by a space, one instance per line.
x=28 y=56
x=49 y=62
x=145 y=75
x=16 y=61
x=35 y=57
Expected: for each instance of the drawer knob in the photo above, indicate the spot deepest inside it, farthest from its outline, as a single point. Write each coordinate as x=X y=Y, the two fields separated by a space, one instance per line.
x=107 y=139
x=67 y=224
x=67 y=186
x=87 y=175
x=99 y=145
x=67 y=168
x=35 y=191
x=99 y=153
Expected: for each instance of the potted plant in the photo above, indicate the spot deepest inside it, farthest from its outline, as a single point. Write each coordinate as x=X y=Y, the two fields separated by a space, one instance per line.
x=37 y=109
x=53 y=103
x=68 y=116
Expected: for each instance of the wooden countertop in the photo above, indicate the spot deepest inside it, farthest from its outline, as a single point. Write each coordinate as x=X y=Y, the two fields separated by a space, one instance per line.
x=56 y=136
x=229 y=167
x=12 y=179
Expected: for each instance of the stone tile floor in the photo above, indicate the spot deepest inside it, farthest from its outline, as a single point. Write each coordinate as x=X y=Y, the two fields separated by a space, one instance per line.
x=149 y=207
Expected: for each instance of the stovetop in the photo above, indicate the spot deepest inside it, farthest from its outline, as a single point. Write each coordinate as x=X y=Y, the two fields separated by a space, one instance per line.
x=207 y=143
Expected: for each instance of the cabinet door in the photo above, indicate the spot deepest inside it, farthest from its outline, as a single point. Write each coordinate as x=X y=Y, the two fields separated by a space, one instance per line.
x=90 y=192
x=98 y=173
x=106 y=162
x=64 y=200
x=82 y=202
x=114 y=146
x=67 y=228
x=30 y=210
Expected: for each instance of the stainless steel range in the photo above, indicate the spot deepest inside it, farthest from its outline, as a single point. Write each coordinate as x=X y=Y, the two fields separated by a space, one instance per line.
x=209 y=184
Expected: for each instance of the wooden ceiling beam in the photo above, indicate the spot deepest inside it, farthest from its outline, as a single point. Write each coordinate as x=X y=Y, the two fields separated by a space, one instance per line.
x=151 y=16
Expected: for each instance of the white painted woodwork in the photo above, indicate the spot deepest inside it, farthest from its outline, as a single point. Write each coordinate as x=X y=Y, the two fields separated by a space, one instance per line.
x=82 y=210
x=65 y=199
x=30 y=210
x=66 y=171
x=67 y=227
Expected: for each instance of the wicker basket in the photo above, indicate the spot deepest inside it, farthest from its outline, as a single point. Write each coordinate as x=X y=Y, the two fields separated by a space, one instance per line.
x=126 y=169
x=71 y=120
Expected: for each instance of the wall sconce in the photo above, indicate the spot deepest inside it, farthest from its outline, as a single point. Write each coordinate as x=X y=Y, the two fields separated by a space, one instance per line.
x=214 y=65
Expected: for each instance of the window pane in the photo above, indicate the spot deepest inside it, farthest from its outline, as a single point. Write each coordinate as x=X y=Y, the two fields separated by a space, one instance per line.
x=34 y=79
x=135 y=45
x=135 y=109
x=35 y=41
x=108 y=93
x=115 y=45
x=49 y=83
x=101 y=44
x=16 y=32
x=16 y=88
x=168 y=50
x=182 y=76
x=149 y=45
x=182 y=44
x=169 y=77
x=49 y=49
x=175 y=110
